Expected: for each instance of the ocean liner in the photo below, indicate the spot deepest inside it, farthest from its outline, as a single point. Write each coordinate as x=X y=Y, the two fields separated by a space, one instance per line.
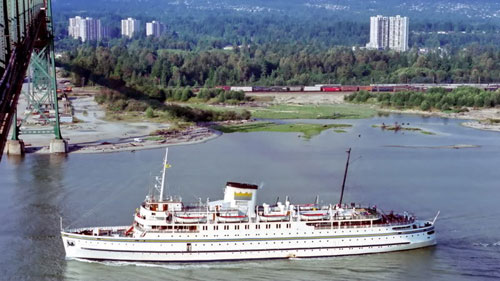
x=165 y=229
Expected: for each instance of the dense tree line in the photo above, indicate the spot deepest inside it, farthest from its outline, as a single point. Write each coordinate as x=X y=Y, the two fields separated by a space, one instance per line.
x=435 y=98
x=150 y=71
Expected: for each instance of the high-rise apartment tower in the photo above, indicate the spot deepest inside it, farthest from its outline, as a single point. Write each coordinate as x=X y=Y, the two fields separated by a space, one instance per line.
x=389 y=33
x=398 y=33
x=86 y=29
x=155 y=29
x=129 y=27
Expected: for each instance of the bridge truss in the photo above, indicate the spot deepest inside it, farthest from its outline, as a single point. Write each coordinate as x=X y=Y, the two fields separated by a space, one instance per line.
x=27 y=38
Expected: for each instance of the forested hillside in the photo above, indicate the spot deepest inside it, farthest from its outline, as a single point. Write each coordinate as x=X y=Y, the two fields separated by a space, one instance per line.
x=203 y=24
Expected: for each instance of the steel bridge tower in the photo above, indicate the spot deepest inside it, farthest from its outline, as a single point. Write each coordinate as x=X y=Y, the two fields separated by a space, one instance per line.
x=27 y=49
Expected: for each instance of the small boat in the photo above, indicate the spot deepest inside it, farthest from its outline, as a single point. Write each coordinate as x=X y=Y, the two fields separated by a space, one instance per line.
x=307 y=207
x=278 y=212
x=314 y=215
x=190 y=218
x=232 y=218
x=274 y=217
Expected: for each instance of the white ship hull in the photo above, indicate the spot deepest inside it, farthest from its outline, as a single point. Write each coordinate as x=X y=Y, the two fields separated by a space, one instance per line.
x=293 y=242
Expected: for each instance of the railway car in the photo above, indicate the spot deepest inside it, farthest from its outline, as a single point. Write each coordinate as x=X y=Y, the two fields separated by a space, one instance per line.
x=279 y=89
x=239 y=88
x=330 y=89
x=383 y=89
x=492 y=88
x=401 y=88
x=312 y=89
x=261 y=89
x=349 y=88
x=365 y=88
x=295 y=88
x=225 y=88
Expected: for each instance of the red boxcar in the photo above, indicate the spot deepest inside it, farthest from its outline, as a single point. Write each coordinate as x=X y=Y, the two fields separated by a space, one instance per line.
x=331 y=89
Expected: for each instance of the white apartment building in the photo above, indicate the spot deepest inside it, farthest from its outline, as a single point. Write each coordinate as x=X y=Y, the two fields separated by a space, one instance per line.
x=155 y=29
x=379 y=33
x=398 y=33
x=86 y=29
x=129 y=27
x=389 y=33
x=74 y=27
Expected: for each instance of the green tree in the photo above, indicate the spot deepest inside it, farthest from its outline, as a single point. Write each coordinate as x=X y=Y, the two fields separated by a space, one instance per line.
x=149 y=112
x=425 y=106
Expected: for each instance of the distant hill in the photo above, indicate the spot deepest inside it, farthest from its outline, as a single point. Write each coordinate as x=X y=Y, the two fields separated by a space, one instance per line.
x=418 y=10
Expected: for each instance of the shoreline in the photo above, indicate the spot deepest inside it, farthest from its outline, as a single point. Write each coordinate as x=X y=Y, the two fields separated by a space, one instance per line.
x=97 y=135
x=193 y=135
x=146 y=145
x=94 y=134
x=105 y=147
x=475 y=117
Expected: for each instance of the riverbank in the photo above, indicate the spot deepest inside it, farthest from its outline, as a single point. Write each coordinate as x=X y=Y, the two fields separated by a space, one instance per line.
x=94 y=133
x=482 y=118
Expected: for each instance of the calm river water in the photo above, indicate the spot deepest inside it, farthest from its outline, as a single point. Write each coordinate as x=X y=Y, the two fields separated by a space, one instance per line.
x=105 y=189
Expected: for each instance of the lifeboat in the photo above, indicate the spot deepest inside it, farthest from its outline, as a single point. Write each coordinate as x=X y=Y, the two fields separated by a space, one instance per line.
x=308 y=207
x=232 y=218
x=313 y=215
x=274 y=217
x=189 y=218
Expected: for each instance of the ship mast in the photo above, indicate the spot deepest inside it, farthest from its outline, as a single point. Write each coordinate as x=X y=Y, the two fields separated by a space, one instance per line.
x=164 y=175
x=345 y=176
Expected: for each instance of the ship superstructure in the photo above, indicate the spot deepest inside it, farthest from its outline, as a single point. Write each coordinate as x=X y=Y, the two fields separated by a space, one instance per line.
x=165 y=229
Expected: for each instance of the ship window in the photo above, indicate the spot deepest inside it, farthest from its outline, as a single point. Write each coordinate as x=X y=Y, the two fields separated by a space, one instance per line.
x=237 y=227
x=257 y=226
x=216 y=227
x=247 y=226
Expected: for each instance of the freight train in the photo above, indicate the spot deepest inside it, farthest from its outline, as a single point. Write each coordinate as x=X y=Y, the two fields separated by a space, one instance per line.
x=356 y=88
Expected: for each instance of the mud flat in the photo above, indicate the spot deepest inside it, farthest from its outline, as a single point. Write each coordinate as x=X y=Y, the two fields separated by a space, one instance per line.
x=483 y=119
x=481 y=125
x=94 y=134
